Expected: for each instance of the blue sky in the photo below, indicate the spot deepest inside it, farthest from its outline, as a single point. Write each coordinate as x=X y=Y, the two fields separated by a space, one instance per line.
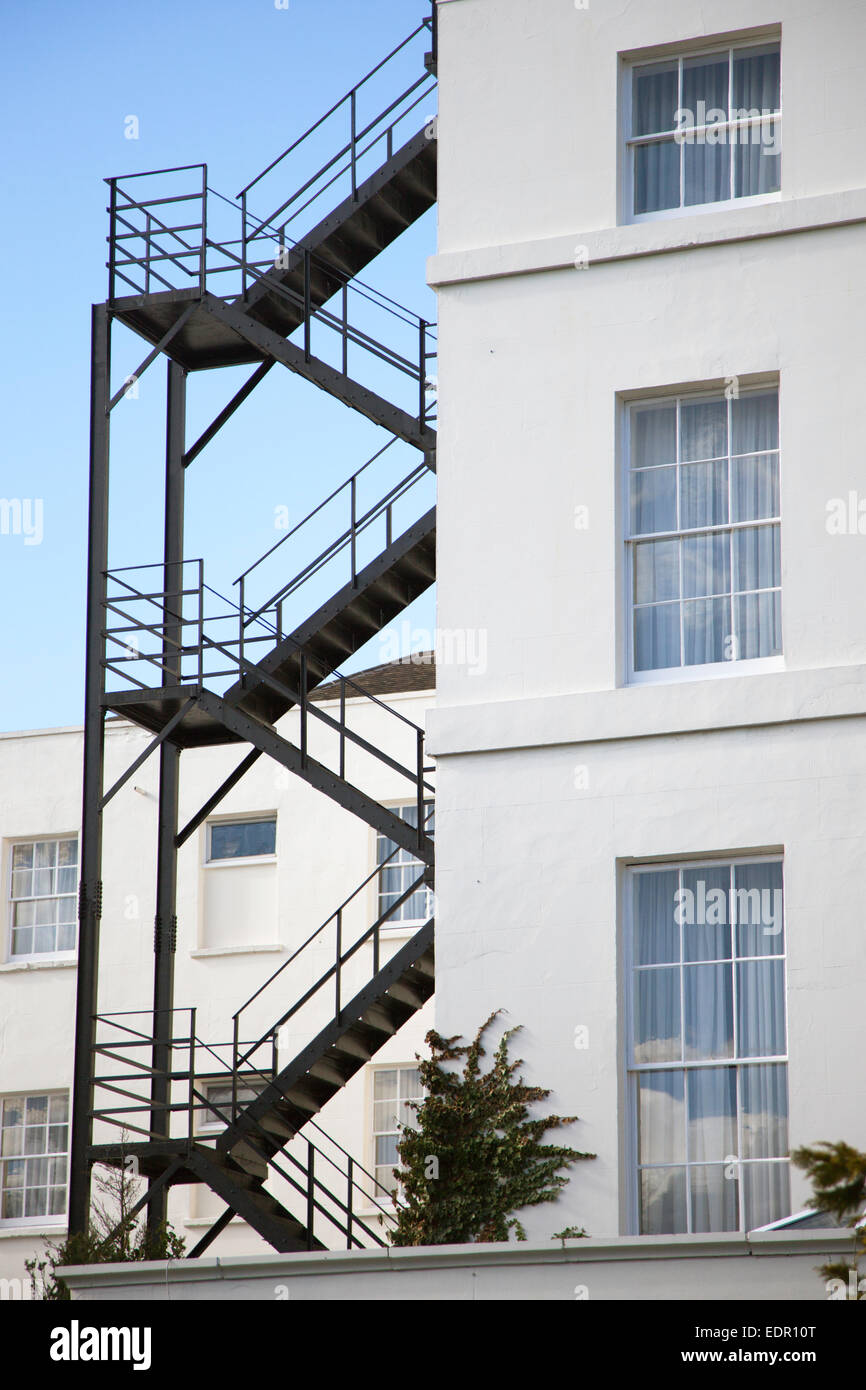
x=229 y=82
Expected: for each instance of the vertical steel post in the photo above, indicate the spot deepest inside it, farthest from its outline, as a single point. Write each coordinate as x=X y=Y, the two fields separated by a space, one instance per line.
x=90 y=889
x=165 y=923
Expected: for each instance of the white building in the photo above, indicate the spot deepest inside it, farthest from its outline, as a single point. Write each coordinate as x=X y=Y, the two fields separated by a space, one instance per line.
x=650 y=834
x=245 y=906
x=674 y=687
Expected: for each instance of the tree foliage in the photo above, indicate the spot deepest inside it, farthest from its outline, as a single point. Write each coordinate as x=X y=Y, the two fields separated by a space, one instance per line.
x=114 y=1236
x=475 y=1157
x=837 y=1173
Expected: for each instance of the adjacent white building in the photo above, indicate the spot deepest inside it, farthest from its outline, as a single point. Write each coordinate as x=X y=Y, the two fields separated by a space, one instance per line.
x=255 y=881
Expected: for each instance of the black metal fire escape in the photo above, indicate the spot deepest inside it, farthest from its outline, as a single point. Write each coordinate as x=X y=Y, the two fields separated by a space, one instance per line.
x=196 y=668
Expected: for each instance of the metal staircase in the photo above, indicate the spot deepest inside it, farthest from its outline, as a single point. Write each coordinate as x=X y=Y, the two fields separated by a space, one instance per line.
x=197 y=668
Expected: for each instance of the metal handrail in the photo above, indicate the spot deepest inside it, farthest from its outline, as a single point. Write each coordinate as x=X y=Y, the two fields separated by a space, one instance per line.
x=349 y=96
x=315 y=1192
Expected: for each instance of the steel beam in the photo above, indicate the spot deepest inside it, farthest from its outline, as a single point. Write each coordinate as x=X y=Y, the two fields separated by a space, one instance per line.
x=165 y=922
x=226 y=413
x=90 y=887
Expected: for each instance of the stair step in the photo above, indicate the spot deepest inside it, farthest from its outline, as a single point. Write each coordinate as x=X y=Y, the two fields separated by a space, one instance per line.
x=376 y=1016
x=248 y=1160
x=326 y=1071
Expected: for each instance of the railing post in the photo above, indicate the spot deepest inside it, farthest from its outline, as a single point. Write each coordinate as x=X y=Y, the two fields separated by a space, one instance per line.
x=422 y=373
x=345 y=298
x=191 y=1121
x=388 y=525
x=202 y=255
x=307 y=303
x=353 y=495
x=311 y=1196
x=112 y=231
x=236 y=1047
x=241 y=667
x=353 y=106
x=342 y=728
x=303 y=709
x=243 y=244
x=338 y=961
x=350 y=1216
x=200 y=620
x=280 y=621
x=419 y=744
x=147 y=224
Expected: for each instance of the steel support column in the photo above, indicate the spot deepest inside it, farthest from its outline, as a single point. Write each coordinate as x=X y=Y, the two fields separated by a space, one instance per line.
x=165 y=922
x=90 y=889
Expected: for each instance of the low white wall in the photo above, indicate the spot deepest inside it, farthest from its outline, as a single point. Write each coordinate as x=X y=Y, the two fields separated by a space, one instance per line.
x=773 y=1265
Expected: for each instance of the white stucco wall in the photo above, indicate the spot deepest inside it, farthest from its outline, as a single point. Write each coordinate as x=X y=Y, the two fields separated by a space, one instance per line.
x=236 y=924
x=537 y=362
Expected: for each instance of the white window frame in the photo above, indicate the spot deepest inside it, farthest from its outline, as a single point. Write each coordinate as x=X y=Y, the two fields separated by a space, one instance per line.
x=709 y=670
x=57 y=1219
x=40 y=956
x=630 y=142
x=253 y=817
x=632 y=1069
x=379 y=1198
x=406 y=924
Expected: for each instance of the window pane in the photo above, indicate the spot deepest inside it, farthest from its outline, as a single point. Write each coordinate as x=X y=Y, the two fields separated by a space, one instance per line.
x=654 y=98
x=386 y=1150
x=657 y=637
x=657 y=1016
x=657 y=933
x=66 y=879
x=758 y=909
x=767 y=1189
x=661 y=1117
x=22 y=941
x=663 y=1201
x=706 y=565
x=706 y=173
x=24 y=914
x=242 y=839
x=715 y=1197
x=67 y=852
x=759 y=625
x=58 y=1109
x=755 y=422
x=703 y=494
x=36 y=1110
x=761 y=1008
x=43 y=881
x=757 y=558
x=656 y=571
x=22 y=856
x=22 y=883
x=385 y=1085
x=764 y=1102
x=706 y=915
x=653 y=436
x=706 y=630
x=384 y=1115
x=757 y=74
x=44 y=939
x=755 y=487
x=703 y=430
x=758 y=160
x=705 y=81
x=45 y=854
x=66 y=937
x=709 y=1011
x=653 y=501
x=656 y=176
x=712 y=1096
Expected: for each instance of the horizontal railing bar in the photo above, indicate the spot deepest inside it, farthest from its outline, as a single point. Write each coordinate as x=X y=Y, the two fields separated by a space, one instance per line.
x=148 y=173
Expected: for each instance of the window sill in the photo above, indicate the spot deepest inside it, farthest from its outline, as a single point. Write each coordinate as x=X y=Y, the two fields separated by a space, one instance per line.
x=240 y=861
x=9 y=967
x=206 y=952
x=711 y=670
x=38 y=1229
